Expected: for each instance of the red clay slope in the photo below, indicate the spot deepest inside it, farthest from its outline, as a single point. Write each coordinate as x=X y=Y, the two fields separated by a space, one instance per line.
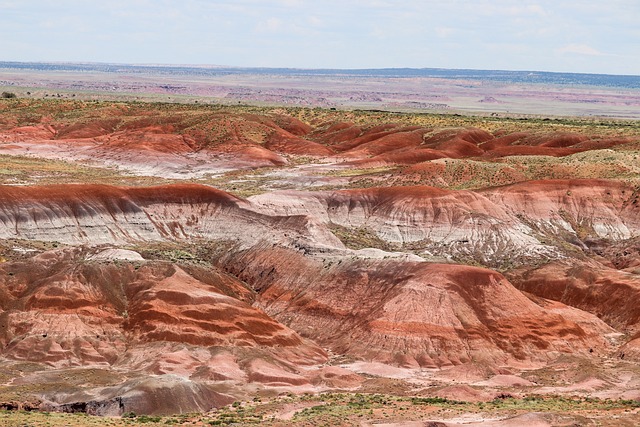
x=497 y=226
x=172 y=331
x=61 y=309
x=134 y=136
x=102 y=214
x=390 y=144
x=610 y=294
x=413 y=314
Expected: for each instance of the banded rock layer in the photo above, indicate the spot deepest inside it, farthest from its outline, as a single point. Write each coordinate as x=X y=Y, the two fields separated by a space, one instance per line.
x=285 y=289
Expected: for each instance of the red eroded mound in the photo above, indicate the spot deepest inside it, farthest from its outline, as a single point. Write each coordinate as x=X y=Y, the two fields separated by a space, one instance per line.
x=89 y=129
x=252 y=154
x=360 y=142
x=337 y=133
x=366 y=136
x=96 y=214
x=552 y=140
x=599 y=208
x=474 y=136
x=403 y=156
x=386 y=143
x=610 y=294
x=157 y=140
x=62 y=308
x=173 y=306
x=110 y=195
x=503 y=140
x=556 y=140
x=501 y=227
x=106 y=335
x=458 y=148
x=458 y=143
x=106 y=214
x=287 y=143
x=413 y=314
x=413 y=206
x=43 y=131
x=556 y=144
x=151 y=139
x=291 y=125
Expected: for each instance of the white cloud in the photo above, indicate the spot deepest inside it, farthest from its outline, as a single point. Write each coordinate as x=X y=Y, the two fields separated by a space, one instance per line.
x=291 y=3
x=579 y=49
x=315 y=22
x=506 y=8
x=270 y=25
x=444 y=32
x=527 y=10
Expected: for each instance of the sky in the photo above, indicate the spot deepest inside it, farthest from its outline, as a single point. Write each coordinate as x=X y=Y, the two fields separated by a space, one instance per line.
x=544 y=35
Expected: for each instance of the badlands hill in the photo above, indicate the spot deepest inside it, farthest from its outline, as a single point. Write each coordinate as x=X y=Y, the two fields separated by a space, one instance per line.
x=197 y=141
x=165 y=259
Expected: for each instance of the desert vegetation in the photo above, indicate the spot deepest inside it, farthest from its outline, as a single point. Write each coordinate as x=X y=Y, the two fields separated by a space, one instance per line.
x=346 y=410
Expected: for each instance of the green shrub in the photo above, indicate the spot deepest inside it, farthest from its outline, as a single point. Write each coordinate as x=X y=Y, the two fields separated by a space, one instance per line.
x=435 y=401
x=148 y=419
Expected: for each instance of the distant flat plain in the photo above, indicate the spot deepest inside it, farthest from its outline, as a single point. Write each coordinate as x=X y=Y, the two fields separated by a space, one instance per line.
x=476 y=92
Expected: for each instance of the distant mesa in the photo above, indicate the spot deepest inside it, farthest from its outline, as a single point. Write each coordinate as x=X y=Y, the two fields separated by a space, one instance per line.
x=490 y=100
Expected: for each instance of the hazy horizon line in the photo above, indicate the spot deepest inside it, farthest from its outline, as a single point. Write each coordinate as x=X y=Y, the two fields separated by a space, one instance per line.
x=239 y=67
